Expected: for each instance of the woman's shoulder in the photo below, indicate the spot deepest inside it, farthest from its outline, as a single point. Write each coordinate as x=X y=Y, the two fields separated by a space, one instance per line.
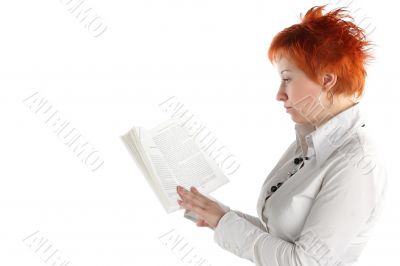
x=358 y=161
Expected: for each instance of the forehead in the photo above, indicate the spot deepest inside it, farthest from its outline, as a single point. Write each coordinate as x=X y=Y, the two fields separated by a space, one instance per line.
x=284 y=63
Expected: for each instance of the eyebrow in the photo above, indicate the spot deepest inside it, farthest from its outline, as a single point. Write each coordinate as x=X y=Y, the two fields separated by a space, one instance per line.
x=285 y=70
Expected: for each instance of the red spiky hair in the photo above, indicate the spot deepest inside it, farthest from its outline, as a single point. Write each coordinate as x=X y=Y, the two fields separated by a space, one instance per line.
x=326 y=43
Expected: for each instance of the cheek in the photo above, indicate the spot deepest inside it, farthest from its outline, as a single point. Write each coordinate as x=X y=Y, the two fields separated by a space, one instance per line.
x=300 y=91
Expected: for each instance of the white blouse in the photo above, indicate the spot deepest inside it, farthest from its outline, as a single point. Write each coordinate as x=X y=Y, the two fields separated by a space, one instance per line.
x=321 y=215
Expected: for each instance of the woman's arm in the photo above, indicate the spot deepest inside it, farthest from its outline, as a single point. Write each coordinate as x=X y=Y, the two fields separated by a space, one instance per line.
x=252 y=219
x=346 y=201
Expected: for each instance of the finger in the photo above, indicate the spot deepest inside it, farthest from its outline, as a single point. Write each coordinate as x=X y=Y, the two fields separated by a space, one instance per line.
x=202 y=223
x=193 y=198
x=200 y=196
x=195 y=191
x=192 y=206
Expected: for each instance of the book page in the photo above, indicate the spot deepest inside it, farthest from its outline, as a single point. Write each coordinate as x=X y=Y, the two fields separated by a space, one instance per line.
x=132 y=141
x=178 y=159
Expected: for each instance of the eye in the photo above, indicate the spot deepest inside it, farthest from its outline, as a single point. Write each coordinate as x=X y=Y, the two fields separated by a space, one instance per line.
x=285 y=80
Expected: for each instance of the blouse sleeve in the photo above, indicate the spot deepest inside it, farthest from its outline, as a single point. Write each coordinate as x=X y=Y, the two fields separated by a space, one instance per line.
x=252 y=219
x=343 y=205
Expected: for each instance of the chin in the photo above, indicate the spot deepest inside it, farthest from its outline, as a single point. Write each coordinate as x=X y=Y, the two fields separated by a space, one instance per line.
x=297 y=119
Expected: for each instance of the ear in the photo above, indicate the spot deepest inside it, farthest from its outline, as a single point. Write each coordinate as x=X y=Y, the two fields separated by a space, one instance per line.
x=329 y=80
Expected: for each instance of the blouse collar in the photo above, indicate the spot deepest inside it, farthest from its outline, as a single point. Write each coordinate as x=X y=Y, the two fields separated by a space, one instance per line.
x=324 y=140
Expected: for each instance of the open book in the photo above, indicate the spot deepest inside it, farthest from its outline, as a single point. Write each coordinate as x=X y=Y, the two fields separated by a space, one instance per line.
x=168 y=156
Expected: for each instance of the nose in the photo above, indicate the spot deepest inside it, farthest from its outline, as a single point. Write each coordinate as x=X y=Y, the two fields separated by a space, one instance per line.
x=281 y=95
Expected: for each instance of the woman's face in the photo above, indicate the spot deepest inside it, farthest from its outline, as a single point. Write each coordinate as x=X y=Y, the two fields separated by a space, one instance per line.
x=297 y=92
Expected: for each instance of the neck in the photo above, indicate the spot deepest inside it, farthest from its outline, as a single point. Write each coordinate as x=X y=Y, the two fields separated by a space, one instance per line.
x=340 y=106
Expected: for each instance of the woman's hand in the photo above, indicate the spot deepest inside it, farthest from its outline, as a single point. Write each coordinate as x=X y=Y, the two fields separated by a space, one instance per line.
x=208 y=211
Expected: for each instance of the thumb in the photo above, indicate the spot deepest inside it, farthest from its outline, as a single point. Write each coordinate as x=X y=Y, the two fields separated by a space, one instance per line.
x=202 y=223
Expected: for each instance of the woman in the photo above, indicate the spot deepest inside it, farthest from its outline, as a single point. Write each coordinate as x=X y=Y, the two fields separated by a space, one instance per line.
x=323 y=197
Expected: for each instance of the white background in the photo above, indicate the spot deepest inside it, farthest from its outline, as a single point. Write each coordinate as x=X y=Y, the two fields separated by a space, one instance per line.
x=211 y=55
